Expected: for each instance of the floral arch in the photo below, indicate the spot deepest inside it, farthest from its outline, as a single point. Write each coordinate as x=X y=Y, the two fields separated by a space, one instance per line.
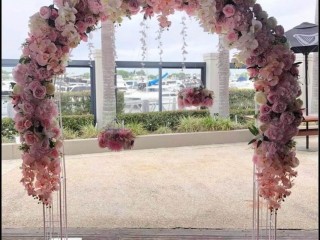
x=58 y=28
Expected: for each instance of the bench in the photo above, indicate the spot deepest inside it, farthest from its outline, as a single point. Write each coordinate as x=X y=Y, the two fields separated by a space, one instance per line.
x=306 y=131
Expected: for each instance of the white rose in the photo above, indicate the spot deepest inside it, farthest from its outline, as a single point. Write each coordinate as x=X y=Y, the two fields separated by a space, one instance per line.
x=260 y=97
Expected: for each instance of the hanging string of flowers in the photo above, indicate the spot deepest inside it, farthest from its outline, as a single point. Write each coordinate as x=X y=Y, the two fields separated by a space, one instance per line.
x=116 y=138
x=184 y=43
x=159 y=39
x=143 y=41
x=90 y=48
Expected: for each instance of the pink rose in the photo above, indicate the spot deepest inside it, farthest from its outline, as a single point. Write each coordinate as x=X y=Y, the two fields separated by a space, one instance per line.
x=229 y=10
x=265 y=109
x=274 y=133
x=95 y=6
x=89 y=20
x=30 y=138
x=264 y=118
x=27 y=124
x=272 y=97
x=42 y=59
x=28 y=108
x=40 y=92
x=81 y=26
x=279 y=107
x=287 y=118
x=45 y=12
x=232 y=36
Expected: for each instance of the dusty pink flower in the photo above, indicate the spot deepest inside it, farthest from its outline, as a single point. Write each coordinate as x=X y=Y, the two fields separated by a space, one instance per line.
x=30 y=138
x=45 y=12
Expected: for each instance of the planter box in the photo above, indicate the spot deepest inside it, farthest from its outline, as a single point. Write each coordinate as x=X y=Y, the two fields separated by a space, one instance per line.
x=87 y=146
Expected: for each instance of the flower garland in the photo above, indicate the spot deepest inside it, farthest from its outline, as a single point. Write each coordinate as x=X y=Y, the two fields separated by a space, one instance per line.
x=196 y=96
x=244 y=25
x=53 y=33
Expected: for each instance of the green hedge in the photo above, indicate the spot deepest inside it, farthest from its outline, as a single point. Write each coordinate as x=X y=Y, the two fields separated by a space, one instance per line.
x=153 y=120
x=72 y=122
x=241 y=102
x=7 y=128
x=75 y=122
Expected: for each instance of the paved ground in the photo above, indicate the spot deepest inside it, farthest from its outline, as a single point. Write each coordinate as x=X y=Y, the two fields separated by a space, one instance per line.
x=187 y=187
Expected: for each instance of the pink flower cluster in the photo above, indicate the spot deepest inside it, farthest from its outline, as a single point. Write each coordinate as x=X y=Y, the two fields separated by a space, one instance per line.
x=116 y=139
x=53 y=32
x=197 y=96
x=271 y=64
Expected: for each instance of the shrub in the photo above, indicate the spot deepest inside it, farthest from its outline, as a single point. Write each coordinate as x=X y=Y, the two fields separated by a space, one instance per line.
x=75 y=122
x=190 y=124
x=163 y=130
x=223 y=124
x=207 y=123
x=137 y=128
x=241 y=102
x=69 y=134
x=89 y=131
x=151 y=121
x=7 y=128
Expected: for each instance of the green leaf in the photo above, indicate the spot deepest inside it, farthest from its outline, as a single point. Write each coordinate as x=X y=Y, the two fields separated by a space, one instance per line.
x=252 y=141
x=259 y=143
x=253 y=130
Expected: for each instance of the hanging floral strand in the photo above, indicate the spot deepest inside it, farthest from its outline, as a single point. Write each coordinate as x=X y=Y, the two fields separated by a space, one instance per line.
x=91 y=48
x=184 y=44
x=159 y=39
x=143 y=41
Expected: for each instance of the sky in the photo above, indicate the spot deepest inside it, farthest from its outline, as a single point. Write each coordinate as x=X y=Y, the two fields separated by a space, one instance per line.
x=16 y=13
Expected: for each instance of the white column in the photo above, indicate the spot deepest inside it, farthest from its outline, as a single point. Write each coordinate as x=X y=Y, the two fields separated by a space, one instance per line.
x=218 y=84
x=99 y=86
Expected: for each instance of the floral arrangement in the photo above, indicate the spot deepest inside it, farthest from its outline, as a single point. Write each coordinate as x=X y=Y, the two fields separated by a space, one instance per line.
x=262 y=46
x=116 y=139
x=53 y=33
x=196 y=96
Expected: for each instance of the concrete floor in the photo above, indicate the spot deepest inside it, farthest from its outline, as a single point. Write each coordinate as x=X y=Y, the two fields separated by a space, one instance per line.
x=187 y=187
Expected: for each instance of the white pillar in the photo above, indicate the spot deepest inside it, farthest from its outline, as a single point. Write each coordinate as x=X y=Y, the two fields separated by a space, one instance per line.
x=220 y=85
x=99 y=86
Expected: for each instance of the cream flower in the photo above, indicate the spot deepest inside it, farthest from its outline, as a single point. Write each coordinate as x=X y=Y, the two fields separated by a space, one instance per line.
x=260 y=97
x=50 y=88
x=17 y=89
